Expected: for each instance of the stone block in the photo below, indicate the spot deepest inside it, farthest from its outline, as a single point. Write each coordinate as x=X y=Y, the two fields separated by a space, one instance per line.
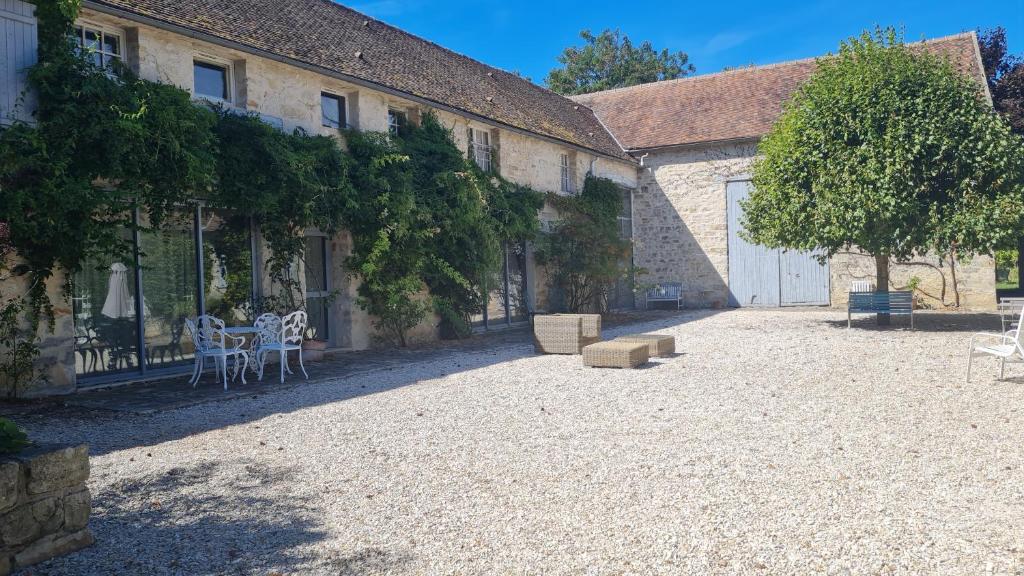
x=27 y=522
x=56 y=469
x=10 y=473
x=76 y=510
x=5 y=563
x=53 y=545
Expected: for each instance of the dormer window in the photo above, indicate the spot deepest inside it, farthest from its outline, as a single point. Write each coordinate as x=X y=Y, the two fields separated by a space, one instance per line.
x=100 y=47
x=480 y=148
x=567 y=183
x=396 y=120
x=211 y=81
x=332 y=111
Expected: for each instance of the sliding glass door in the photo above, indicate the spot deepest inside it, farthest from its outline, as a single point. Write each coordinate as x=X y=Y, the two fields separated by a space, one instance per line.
x=130 y=317
x=506 y=291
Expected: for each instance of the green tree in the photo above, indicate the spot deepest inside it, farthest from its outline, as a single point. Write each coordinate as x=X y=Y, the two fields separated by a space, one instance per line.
x=610 y=60
x=890 y=150
x=1005 y=75
x=584 y=251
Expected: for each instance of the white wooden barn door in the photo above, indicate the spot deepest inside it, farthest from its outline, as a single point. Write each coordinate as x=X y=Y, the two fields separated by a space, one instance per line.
x=18 y=47
x=760 y=276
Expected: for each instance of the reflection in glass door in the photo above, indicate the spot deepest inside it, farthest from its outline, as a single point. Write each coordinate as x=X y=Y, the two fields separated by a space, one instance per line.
x=169 y=280
x=103 y=301
x=506 y=291
x=131 y=318
x=317 y=292
x=227 y=267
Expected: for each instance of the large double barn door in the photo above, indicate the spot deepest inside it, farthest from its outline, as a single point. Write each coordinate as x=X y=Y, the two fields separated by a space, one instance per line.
x=770 y=277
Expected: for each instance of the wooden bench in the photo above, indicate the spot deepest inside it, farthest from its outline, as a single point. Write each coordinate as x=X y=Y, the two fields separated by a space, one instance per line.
x=898 y=303
x=665 y=292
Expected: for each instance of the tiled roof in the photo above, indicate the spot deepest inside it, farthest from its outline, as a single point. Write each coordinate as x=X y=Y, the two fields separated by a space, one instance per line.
x=735 y=105
x=327 y=35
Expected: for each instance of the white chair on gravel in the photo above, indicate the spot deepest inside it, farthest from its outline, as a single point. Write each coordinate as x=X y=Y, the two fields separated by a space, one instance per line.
x=282 y=337
x=1005 y=346
x=211 y=341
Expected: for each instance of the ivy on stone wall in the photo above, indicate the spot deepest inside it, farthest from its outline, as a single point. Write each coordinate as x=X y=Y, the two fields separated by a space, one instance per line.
x=105 y=144
x=584 y=249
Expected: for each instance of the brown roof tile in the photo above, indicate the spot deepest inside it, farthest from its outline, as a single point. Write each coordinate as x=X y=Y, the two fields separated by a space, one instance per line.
x=327 y=35
x=735 y=105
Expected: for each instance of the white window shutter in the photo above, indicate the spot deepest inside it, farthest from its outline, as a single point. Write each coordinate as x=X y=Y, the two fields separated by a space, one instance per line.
x=18 y=52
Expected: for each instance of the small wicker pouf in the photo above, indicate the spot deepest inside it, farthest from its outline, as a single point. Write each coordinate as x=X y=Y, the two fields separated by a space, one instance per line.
x=661 y=345
x=615 y=354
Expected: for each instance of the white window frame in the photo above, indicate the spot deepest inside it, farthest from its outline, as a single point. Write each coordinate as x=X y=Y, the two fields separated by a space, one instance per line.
x=482 y=152
x=395 y=113
x=82 y=26
x=343 y=101
x=568 y=186
x=229 y=78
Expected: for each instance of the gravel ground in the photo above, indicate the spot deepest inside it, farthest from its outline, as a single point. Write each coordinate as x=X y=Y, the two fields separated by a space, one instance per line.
x=776 y=442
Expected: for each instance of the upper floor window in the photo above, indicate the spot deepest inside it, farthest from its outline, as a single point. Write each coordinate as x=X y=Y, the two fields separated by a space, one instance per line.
x=480 y=148
x=332 y=111
x=396 y=119
x=211 y=80
x=566 y=169
x=102 y=48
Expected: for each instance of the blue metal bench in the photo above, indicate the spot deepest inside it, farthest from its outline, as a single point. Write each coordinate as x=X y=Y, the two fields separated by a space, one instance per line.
x=899 y=303
x=666 y=292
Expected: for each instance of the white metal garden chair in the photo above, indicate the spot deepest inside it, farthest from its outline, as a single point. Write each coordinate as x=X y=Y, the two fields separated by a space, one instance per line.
x=1004 y=346
x=211 y=341
x=282 y=337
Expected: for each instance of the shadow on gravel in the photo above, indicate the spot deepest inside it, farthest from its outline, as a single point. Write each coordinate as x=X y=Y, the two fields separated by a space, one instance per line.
x=128 y=416
x=926 y=322
x=202 y=519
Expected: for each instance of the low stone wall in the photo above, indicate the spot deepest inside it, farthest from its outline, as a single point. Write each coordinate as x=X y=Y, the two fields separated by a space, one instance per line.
x=975 y=280
x=44 y=505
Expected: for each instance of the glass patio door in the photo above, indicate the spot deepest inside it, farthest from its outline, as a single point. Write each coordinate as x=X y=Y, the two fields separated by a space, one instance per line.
x=507 y=294
x=130 y=316
x=317 y=290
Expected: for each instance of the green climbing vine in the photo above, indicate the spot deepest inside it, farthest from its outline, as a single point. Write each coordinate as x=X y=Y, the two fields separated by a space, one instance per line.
x=584 y=250
x=104 y=145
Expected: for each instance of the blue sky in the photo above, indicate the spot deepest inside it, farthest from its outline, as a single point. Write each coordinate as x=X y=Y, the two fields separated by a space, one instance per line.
x=528 y=35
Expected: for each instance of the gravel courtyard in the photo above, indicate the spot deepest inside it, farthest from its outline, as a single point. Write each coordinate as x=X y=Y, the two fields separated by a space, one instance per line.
x=776 y=442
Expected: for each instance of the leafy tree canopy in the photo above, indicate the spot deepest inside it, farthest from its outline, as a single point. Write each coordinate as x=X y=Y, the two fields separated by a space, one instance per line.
x=891 y=150
x=1005 y=75
x=610 y=60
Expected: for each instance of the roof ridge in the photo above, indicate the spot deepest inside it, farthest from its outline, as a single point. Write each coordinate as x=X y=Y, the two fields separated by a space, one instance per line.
x=748 y=69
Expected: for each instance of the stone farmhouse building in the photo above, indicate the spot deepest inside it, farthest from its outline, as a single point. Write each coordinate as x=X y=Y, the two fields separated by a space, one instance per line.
x=680 y=150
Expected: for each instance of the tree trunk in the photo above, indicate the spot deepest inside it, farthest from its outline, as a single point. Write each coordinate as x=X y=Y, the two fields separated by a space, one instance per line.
x=882 y=282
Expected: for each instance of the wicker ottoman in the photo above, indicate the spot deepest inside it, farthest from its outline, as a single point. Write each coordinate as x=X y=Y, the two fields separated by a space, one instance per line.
x=615 y=354
x=558 y=335
x=591 y=324
x=661 y=345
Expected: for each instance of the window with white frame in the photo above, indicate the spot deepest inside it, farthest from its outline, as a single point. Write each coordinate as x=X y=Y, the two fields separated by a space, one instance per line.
x=480 y=148
x=332 y=111
x=211 y=80
x=566 y=169
x=102 y=47
x=396 y=119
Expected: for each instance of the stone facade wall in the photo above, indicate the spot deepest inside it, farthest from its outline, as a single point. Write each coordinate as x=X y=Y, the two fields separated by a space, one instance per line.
x=291 y=95
x=56 y=362
x=680 y=226
x=975 y=280
x=44 y=505
x=679 y=219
